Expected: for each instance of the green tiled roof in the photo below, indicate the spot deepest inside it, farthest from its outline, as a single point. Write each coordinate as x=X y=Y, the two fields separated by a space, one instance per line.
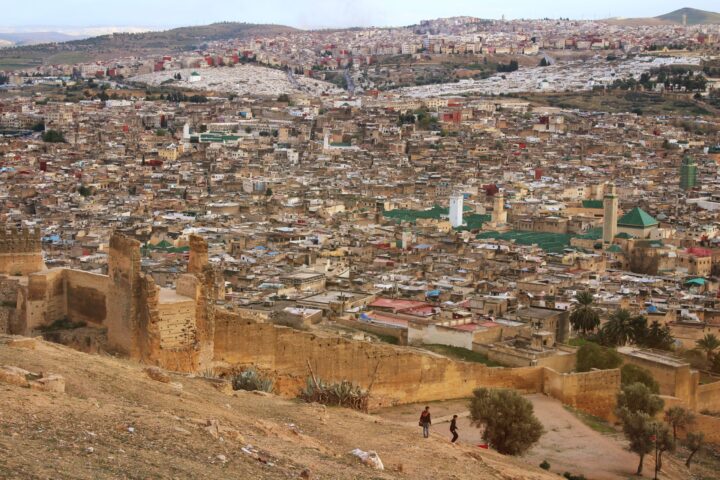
x=637 y=218
x=592 y=204
x=550 y=242
x=624 y=235
x=614 y=249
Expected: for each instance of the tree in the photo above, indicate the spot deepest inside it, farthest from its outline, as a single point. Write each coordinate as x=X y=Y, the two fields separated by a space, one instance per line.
x=544 y=62
x=592 y=355
x=53 y=136
x=584 y=318
x=678 y=417
x=664 y=441
x=638 y=398
x=694 y=442
x=622 y=327
x=283 y=97
x=657 y=337
x=268 y=192
x=708 y=344
x=639 y=430
x=511 y=427
x=85 y=191
x=630 y=374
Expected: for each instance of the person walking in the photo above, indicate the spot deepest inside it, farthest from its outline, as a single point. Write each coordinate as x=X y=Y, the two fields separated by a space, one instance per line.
x=453 y=428
x=425 y=422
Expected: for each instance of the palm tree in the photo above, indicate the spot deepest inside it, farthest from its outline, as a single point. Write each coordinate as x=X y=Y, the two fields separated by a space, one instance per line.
x=584 y=318
x=622 y=328
x=708 y=344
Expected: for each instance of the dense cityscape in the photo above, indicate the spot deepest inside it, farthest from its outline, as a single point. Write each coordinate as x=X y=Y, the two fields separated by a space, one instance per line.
x=489 y=217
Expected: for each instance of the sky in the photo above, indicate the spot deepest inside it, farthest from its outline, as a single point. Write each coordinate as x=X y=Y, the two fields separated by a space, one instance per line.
x=314 y=13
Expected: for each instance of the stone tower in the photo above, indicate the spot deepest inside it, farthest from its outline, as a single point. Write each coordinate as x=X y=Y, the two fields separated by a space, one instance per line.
x=610 y=205
x=499 y=215
x=20 y=251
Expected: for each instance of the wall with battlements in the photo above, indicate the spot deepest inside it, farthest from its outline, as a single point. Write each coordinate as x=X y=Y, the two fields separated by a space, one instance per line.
x=20 y=251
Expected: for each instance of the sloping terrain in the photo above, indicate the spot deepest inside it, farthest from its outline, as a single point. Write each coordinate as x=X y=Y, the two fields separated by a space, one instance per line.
x=123 y=44
x=114 y=421
x=694 y=16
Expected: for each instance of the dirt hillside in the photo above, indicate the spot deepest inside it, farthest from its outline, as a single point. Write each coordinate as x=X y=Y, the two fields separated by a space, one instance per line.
x=114 y=421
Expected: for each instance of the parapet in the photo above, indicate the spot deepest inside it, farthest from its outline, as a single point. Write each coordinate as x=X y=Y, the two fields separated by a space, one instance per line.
x=22 y=240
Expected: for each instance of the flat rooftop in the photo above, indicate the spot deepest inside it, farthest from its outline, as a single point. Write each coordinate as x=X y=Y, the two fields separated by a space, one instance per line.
x=653 y=356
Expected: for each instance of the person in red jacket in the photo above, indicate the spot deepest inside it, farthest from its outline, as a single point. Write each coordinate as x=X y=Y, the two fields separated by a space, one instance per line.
x=425 y=422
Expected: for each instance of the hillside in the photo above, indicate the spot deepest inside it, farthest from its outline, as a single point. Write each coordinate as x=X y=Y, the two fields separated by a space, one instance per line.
x=694 y=16
x=124 y=44
x=114 y=421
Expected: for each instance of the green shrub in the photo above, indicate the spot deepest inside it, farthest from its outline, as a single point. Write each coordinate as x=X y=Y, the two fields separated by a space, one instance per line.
x=252 y=380
x=545 y=465
x=630 y=374
x=591 y=356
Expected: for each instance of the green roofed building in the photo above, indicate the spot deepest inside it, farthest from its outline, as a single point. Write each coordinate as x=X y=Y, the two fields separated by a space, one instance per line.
x=638 y=223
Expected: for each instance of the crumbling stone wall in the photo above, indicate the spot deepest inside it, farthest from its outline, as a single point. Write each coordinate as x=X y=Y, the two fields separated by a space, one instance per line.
x=178 y=334
x=124 y=295
x=20 y=251
x=592 y=392
x=397 y=375
x=86 y=296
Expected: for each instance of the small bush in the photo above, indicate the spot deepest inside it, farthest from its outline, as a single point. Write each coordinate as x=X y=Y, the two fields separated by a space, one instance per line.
x=343 y=394
x=252 y=380
x=571 y=476
x=591 y=356
x=62 y=324
x=630 y=374
x=545 y=465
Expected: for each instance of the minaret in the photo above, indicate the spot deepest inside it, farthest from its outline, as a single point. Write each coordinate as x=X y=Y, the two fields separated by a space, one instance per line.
x=610 y=204
x=456 y=209
x=499 y=215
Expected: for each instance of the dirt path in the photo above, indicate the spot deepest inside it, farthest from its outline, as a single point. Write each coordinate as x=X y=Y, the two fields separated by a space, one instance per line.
x=568 y=444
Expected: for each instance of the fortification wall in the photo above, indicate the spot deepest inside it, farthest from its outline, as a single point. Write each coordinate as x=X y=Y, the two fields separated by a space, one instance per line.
x=20 y=251
x=86 y=295
x=46 y=300
x=674 y=381
x=124 y=293
x=708 y=397
x=398 y=375
x=592 y=392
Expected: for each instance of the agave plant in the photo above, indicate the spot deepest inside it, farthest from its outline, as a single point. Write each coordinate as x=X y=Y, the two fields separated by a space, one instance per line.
x=252 y=380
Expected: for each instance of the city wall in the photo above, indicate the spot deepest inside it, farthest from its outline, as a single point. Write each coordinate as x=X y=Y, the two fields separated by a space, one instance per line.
x=592 y=392
x=397 y=375
x=59 y=294
x=20 y=251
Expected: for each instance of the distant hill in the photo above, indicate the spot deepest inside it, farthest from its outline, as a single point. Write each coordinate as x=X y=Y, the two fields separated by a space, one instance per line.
x=694 y=16
x=30 y=38
x=121 y=44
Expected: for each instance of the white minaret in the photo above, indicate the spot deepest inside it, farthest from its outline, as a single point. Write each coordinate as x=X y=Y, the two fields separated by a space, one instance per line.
x=186 y=131
x=610 y=205
x=456 y=209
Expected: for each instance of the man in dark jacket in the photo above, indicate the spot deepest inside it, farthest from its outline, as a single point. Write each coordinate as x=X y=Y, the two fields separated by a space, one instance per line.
x=425 y=422
x=453 y=428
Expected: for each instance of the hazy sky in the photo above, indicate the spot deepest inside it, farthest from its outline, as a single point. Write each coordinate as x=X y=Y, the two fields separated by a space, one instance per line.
x=314 y=13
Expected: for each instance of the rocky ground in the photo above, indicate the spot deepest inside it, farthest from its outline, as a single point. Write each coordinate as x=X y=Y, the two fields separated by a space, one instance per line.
x=117 y=420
